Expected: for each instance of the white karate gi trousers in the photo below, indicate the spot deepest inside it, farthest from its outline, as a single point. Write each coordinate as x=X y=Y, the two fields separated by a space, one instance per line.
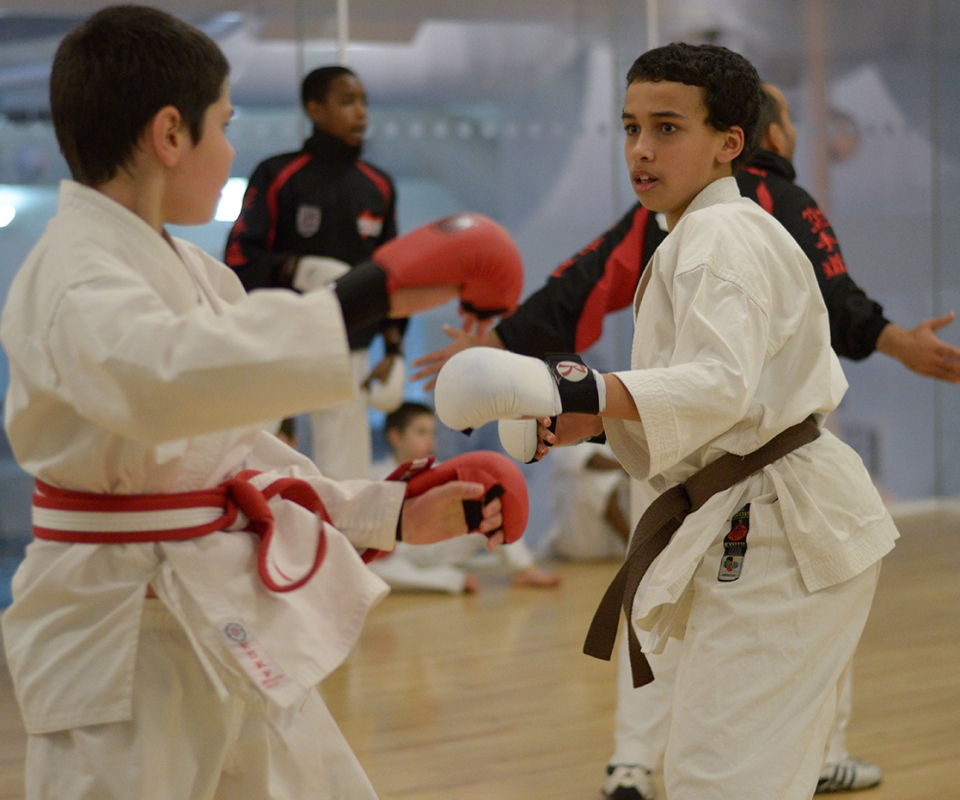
x=745 y=706
x=185 y=743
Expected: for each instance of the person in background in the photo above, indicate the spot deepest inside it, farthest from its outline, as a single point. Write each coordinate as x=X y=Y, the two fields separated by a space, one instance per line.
x=307 y=218
x=590 y=505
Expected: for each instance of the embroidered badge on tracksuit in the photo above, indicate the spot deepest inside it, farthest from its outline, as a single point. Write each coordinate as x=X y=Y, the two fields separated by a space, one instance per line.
x=735 y=546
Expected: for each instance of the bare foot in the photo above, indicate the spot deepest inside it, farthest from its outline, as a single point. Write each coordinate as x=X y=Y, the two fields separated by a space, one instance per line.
x=471 y=585
x=534 y=576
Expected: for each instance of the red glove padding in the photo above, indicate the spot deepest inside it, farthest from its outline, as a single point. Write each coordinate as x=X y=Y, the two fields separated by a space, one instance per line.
x=469 y=251
x=500 y=477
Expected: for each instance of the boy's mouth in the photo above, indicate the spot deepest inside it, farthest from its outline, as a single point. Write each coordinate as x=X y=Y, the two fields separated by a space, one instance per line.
x=644 y=182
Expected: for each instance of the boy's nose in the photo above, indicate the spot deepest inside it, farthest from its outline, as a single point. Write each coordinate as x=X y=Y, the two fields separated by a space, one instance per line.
x=641 y=150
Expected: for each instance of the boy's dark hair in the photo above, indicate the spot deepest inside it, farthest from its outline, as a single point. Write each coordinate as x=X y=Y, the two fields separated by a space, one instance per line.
x=771 y=113
x=113 y=73
x=403 y=416
x=316 y=85
x=731 y=85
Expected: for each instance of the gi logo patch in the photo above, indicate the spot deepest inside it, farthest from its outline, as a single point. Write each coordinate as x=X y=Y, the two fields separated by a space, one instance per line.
x=308 y=220
x=571 y=371
x=235 y=632
x=735 y=546
x=369 y=225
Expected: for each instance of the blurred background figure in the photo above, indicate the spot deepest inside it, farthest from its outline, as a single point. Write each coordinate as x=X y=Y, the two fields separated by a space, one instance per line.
x=307 y=218
x=589 y=503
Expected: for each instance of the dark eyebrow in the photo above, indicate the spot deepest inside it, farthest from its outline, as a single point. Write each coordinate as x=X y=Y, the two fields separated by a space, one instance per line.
x=656 y=114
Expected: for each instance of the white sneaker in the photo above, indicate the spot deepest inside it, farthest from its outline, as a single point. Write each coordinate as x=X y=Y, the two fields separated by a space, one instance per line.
x=628 y=782
x=848 y=775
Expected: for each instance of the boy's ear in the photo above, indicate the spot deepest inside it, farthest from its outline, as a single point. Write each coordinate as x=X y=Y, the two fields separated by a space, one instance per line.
x=774 y=139
x=167 y=136
x=393 y=438
x=731 y=145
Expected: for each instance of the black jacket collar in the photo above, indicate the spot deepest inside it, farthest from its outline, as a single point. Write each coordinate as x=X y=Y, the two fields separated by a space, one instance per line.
x=330 y=148
x=778 y=165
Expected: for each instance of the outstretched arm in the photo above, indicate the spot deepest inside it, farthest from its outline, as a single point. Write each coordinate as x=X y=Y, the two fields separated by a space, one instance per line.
x=567 y=313
x=921 y=350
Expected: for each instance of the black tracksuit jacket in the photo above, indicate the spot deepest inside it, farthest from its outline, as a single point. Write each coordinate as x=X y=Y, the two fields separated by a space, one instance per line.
x=320 y=201
x=566 y=315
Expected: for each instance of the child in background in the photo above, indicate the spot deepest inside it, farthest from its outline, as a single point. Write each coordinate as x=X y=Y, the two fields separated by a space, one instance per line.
x=324 y=201
x=590 y=501
x=441 y=567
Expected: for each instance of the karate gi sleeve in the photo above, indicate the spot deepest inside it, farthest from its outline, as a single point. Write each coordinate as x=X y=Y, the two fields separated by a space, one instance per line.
x=366 y=512
x=855 y=319
x=722 y=332
x=127 y=362
x=566 y=315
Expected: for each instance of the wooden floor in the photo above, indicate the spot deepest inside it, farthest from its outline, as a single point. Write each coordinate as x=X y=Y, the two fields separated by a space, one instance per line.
x=487 y=697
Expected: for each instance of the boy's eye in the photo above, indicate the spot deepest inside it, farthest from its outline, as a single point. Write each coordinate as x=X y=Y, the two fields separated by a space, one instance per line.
x=631 y=130
x=668 y=127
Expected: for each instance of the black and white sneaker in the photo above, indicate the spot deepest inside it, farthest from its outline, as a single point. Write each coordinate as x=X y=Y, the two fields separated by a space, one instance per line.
x=628 y=782
x=848 y=775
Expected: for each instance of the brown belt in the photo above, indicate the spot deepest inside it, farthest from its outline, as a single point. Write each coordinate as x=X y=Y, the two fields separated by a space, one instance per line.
x=659 y=523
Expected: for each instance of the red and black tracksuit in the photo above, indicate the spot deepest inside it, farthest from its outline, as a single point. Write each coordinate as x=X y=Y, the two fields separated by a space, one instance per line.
x=322 y=201
x=566 y=315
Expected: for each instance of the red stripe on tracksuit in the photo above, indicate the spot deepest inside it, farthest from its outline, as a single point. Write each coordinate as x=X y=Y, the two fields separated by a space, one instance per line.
x=274 y=189
x=382 y=184
x=617 y=287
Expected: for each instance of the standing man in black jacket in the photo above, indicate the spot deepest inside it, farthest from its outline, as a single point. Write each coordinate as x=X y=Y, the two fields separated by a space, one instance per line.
x=307 y=218
x=566 y=315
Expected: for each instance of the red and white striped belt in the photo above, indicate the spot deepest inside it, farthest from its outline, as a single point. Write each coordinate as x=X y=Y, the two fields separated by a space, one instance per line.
x=62 y=515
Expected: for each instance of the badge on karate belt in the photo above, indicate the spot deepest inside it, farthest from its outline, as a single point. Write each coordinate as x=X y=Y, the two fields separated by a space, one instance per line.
x=735 y=546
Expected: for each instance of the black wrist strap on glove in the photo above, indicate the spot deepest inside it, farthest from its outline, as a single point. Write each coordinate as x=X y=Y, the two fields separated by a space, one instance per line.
x=578 y=385
x=473 y=509
x=363 y=297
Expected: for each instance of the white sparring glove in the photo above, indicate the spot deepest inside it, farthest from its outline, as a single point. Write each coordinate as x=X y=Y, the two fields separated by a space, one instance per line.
x=482 y=384
x=314 y=272
x=387 y=396
x=519 y=438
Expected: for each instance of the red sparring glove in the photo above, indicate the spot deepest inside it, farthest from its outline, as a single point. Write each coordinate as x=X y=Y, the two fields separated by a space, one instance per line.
x=500 y=477
x=465 y=250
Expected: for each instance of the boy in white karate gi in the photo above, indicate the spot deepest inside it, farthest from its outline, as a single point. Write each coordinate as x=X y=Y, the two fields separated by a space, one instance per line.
x=768 y=584
x=140 y=376
x=732 y=346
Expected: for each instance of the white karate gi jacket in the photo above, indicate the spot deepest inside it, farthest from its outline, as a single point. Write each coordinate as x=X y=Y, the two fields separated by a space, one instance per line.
x=732 y=346
x=141 y=367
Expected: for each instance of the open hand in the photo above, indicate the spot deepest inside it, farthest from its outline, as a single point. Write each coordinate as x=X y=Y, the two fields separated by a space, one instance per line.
x=921 y=350
x=431 y=363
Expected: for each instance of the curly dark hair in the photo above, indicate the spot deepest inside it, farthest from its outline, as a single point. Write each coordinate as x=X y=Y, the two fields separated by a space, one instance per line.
x=732 y=88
